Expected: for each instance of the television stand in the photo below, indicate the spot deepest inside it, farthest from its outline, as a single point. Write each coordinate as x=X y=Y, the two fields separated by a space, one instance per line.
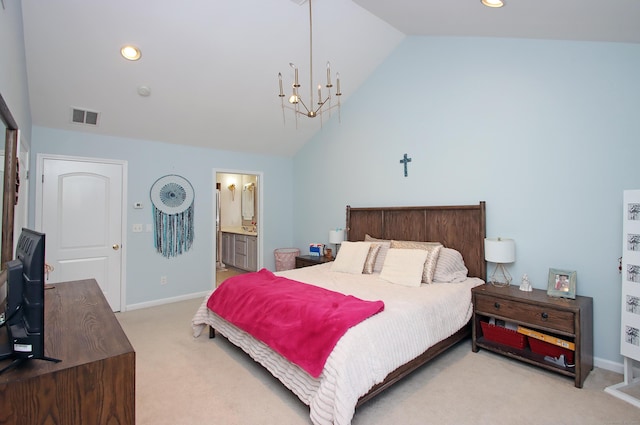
x=95 y=382
x=18 y=362
x=5 y=351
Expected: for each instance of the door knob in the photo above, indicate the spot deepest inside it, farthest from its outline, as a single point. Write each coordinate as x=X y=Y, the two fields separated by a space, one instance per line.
x=115 y=247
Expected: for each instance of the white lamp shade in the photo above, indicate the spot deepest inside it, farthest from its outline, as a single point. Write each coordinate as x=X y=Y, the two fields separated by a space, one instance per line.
x=499 y=250
x=336 y=236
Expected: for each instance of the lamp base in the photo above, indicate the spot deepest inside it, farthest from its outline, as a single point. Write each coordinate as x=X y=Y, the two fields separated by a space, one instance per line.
x=500 y=277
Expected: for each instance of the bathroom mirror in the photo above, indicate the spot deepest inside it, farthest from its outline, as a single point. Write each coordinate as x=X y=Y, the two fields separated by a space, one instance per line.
x=248 y=200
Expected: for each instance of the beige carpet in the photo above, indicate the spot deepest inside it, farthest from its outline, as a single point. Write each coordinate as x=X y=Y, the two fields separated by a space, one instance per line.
x=191 y=381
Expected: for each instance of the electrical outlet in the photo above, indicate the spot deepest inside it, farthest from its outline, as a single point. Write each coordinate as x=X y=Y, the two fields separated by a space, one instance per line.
x=137 y=228
x=163 y=280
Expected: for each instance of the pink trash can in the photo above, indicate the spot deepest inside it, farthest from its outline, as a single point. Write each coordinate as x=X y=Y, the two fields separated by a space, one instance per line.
x=286 y=258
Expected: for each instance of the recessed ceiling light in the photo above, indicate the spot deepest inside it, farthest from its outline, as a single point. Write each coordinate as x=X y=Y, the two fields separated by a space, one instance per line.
x=493 y=3
x=131 y=53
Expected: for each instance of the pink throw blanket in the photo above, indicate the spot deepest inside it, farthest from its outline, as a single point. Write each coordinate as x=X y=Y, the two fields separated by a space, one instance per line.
x=301 y=322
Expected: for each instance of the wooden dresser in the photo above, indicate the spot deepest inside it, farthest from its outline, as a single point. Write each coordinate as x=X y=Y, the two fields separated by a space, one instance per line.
x=95 y=381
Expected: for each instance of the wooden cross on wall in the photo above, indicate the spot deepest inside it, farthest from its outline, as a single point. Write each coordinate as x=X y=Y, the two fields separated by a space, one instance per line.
x=404 y=161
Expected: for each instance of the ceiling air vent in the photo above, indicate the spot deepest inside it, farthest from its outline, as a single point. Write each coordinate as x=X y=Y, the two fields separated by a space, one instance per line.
x=81 y=116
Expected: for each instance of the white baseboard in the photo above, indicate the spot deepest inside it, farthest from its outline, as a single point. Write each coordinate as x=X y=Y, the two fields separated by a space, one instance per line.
x=612 y=366
x=608 y=365
x=163 y=301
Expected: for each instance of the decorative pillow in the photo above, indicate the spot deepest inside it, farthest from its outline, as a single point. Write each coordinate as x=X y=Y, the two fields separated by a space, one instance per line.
x=351 y=257
x=370 y=262
x=430 y=264
x=450 y=267
x=404 y=266
x=384 y=247
x=413 y=244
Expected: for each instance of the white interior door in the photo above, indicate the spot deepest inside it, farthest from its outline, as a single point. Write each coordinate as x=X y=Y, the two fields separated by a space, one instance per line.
x=82 y=216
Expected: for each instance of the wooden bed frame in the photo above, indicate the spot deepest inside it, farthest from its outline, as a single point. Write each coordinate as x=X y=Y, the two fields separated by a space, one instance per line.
x=461 y=227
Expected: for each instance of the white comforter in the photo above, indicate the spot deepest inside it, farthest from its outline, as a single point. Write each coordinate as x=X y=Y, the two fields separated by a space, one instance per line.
x=413 y=320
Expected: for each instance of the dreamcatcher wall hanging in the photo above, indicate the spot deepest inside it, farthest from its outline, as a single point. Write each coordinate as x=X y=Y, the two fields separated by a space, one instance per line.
x=172 y=198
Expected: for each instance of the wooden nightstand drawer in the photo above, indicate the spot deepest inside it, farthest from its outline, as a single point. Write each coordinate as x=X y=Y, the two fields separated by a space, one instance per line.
x=543 y=316
x=310 y=260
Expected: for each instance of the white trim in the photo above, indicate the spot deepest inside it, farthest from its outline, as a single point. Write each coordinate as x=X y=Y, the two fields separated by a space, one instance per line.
x=631 y=379
x=164 y=301
x=608 y=365
x=41 y=157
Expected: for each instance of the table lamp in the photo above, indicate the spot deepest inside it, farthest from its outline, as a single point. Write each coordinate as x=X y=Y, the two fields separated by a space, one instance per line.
x=336 y=237
x=500 y=251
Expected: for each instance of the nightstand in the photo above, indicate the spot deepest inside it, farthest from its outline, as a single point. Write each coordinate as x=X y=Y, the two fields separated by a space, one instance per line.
x=311 y=260
x=567 y=319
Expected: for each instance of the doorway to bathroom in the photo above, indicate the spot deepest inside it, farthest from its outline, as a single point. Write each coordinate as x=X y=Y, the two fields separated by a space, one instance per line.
x=238 y=219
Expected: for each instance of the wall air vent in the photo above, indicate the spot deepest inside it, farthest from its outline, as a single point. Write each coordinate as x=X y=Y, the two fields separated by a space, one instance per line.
x=81 y=116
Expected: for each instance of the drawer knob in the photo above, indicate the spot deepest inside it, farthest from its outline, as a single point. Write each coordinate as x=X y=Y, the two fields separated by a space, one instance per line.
x=544 y=315
x=496 y=304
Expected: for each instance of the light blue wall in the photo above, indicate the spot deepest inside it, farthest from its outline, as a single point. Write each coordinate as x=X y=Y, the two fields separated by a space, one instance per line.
x=13 y=65
x=147 y=161
x=546 y=132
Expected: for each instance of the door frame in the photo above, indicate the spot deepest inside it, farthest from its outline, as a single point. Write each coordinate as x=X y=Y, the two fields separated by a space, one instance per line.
x=12 y=135
x=261 y=227
x=41 y=157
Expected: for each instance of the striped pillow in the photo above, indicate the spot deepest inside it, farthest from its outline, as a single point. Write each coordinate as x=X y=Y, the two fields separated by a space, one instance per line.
x=450 y=267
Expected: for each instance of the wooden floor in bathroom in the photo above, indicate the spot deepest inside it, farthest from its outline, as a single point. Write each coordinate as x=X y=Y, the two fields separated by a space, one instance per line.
x=222 y=274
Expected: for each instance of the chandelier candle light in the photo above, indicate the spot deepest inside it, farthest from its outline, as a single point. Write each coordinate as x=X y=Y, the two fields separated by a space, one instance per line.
x=500 y=251
x=295 y=100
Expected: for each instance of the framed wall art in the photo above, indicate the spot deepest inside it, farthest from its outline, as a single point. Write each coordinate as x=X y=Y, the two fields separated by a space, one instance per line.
x=562 y=283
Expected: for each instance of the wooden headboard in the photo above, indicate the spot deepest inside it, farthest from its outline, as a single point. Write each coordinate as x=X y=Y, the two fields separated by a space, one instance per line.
x=461 y=227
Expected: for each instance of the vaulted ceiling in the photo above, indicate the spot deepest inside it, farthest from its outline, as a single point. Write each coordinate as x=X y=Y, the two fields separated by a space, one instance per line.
x=211 y=66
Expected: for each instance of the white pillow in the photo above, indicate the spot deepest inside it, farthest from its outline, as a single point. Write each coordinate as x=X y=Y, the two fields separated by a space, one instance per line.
x=404 y=266
x=351 y=257
x=450 y=267
x=430 y=264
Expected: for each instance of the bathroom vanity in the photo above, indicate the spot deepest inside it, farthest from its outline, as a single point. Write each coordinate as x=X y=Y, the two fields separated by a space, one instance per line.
x=240 y=249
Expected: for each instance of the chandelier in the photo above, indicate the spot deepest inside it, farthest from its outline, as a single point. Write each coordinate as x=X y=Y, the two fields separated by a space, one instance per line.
x=296 y=103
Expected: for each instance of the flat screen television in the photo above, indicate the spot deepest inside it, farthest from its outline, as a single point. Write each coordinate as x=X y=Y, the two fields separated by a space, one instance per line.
x=24 y=312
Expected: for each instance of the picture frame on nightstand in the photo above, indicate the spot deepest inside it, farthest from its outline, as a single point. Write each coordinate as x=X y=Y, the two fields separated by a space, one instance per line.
x=562 y=283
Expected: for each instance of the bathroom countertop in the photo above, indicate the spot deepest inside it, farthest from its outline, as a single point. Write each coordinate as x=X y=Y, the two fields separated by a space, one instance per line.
x=239 y=231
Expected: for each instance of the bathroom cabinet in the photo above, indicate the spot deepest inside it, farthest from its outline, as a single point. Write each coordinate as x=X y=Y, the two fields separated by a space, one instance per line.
x=240 y=251
x=227 y=248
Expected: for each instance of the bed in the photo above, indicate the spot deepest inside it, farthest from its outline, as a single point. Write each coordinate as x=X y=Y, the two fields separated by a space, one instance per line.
x=416 y=324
